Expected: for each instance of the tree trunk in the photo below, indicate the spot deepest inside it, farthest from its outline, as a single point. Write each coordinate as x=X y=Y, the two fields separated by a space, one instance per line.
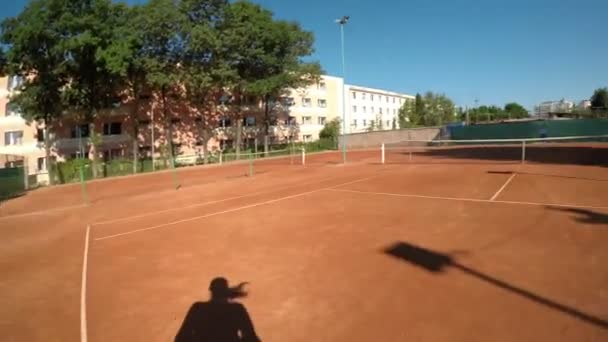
x=266 y=116
x=168 y=124
x=135 y=134
x=239 y=137
x=47 y=152
x=93 y=149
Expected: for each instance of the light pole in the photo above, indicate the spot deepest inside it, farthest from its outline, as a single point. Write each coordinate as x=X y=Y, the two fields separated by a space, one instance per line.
x=343 y=22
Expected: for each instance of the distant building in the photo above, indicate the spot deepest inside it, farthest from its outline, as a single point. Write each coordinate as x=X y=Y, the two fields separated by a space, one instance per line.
x=545 y=109
x=368 y=108
x=584 y=104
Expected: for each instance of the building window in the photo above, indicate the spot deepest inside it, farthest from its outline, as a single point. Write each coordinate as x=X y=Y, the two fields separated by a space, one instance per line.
x=288 y=101
x=363 y=96
x=40 y=135
x=372 y=97
x=113 y=128
x=13 y=138
x=306 y=120
x=307 y=137
x=80 y=131
x=14 y=82
x=322 y=103
x=379 y=98
x=380 y=110
x=388 y=111
x=393 y=100
x=387 y=99
x=41 y=164
x=249 y=121
x=364 y=109
x=306 y=102
x=372 y=110
x=143 y=123
x=394 y=111
x=225 y=122
x=355 y=123
x=321 y=120
x=354 y=109
x=354 y=95
x=322 y=86
x=11 y=109
x=364 y=122
x=388 y=123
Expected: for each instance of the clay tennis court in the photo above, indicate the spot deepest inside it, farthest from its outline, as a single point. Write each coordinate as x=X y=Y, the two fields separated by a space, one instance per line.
x=444 y=248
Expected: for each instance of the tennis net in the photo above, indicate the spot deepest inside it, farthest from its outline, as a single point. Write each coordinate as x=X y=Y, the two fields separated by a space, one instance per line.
x=583 y=150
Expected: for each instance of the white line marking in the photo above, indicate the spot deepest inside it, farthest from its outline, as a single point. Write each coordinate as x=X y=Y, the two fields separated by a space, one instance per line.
x=42 y=212
x=202 y=204
x=471 y=199
x=83 y=289
x=227 y=211
x=503 y=186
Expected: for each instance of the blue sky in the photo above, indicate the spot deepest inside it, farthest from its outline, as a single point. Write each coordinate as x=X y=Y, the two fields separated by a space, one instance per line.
x=494 y=50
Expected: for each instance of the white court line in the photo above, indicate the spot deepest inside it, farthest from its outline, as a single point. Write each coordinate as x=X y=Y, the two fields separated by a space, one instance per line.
x=503 y=186
x=83 y=289
x=229 y=210
x=42 y=212
x=202 y=204
x=461 y=199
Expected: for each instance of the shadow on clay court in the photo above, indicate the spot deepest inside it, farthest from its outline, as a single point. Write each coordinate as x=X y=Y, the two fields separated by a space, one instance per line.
x=585 y=215
x=220 y=319
x=437 y=262
x=546 y=153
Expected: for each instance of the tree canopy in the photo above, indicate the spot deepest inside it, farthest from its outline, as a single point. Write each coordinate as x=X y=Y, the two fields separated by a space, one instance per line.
x=599 y=99
x=428 y=110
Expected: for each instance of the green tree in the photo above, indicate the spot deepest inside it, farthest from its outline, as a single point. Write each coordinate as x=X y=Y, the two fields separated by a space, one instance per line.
x=418 y=117
x=162 y=56
x=266 y=54
x=88 y=28
x=407 y=114
x=514 y=110
x=599 y=99
x=34 y=41
x=331 y=130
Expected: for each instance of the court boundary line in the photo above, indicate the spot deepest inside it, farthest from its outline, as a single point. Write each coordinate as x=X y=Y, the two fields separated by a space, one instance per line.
x=464 y=199
x=43 y=212
x=202 y=204
x=503 y=186
x=253 y=205
x=83 y=288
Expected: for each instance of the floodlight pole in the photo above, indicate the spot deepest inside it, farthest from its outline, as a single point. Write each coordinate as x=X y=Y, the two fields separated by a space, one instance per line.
x=343 y=22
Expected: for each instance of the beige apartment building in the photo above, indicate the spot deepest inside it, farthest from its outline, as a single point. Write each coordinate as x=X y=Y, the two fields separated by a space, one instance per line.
x=300 y=116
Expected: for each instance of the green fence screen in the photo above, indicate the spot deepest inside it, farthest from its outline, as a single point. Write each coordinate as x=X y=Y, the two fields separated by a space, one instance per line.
x=11 y=182
x=531 y=129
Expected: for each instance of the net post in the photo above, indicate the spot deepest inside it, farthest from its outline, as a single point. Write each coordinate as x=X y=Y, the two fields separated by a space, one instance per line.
x=523 y=151
x=383 y=153
x=250 y=164
x=83 y=185
x=303 y=155
x=220 y=157
x=266 y=146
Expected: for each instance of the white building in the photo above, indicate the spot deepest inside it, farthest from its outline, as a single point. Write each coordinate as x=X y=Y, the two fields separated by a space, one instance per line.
x=370 y=108
x=548 y=107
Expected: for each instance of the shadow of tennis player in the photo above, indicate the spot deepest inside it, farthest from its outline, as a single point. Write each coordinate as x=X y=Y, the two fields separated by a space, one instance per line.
x=220 y=319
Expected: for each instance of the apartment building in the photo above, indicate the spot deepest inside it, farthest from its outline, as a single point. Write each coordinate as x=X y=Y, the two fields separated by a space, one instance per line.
x=311 y=107
x=300 y=116
x=370 y=108
x=19 y=139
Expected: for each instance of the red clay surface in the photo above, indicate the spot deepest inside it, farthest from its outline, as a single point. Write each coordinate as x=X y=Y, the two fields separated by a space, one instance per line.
x=532 y=265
